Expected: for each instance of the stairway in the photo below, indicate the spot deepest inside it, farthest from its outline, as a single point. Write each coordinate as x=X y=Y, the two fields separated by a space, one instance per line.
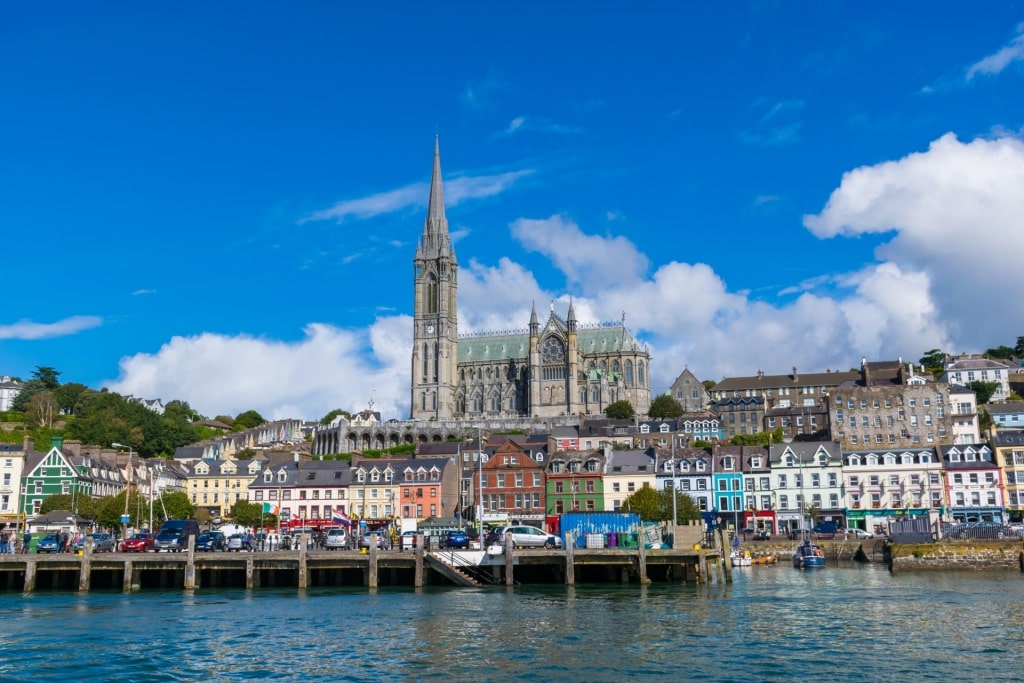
x=461 y=573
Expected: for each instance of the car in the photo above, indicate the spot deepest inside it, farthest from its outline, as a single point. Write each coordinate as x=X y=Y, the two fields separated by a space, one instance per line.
x=761 y=535
x=335 y=539
x=102 y=542
x=210 y=541
x=48 y=543
x=859 y=533
x=410 y=539
x=169 y=540
x=364 y=540
x=141 y=542
x=525 y=536
x=455 y=540
x=238 y=543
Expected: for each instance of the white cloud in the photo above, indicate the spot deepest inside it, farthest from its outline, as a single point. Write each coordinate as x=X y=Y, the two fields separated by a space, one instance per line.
x=26 y=329
x=141 y=292
x=586 y=260
x=457 y=190
x=329 y=368
x=996 y=62
x=945 y=279
x=956 y=214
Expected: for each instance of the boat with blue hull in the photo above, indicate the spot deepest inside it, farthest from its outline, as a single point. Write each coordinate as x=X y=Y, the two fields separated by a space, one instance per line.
x=808 y=554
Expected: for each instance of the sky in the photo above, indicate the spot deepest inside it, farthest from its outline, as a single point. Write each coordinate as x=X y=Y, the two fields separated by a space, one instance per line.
x=220 y=202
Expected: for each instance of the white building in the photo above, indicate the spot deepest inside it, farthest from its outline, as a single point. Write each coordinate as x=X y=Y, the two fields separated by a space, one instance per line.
x=967 y=368
x=963 y=415
x=883 y=485
x=12 y=463
x=974 y=484
x=9 y=390
x=807 y=475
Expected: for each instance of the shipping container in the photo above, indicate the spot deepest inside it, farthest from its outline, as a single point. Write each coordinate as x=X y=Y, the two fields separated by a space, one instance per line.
x=605 y=523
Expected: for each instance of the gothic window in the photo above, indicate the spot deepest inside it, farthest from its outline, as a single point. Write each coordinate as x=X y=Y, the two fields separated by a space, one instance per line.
x=604 y=367
x=641 y=377
x=462 y=375
x=431 y=293
x=496 y=402
x=553 y=351
x=615 y=366
x=478 y=403
x=629 y=373
x=583 y=395
x=426 y=361
x=460 y=404
x=436 y=354
x=595 y=395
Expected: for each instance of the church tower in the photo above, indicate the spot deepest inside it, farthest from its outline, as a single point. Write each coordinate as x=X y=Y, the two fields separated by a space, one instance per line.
x=435 y=350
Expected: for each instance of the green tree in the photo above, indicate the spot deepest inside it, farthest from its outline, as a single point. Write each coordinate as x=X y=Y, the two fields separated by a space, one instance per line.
x=71 y=397
x=686 y=507
x=709 y=384
x=226 y=419
x=934 y=361
x=620 y=410
x=999 y=352
x=983 y=390
x=758 y=439
x=177 y=506
x=47 y=377
x=326 y=419
x=665 y=408
x=110 y=508
x=646 y=502
x=247 y=514
x=1018 y=349
x=248 y=420
x=82 y=505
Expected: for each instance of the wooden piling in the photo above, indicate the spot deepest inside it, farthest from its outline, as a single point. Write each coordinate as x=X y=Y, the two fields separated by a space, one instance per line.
x=30 y=576
x=510 y=549
x=250 y=571
x=570 y=563
x=126 y=579
x=190 y=565
x=417 y=579
x=642 y=560
x=86 y=569
x=303 y=570
x=371 y=570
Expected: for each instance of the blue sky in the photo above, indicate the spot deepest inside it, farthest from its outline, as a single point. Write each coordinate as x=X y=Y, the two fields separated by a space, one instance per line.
x=220 y=204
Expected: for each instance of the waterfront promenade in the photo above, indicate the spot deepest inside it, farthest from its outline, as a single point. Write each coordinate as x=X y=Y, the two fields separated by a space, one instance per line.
x=305 y=568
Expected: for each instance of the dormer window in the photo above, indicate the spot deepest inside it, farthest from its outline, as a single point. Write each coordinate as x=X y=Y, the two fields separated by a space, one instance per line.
x=374 y=476
x=591 y=466
x=574 y=466
x=282 y=476
x=644 y=429
x=664 y=429
x=268 y=476
x=361 y=477
x=727 y=463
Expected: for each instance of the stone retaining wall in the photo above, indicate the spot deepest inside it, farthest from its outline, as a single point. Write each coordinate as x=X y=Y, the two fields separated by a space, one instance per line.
x=945 y=556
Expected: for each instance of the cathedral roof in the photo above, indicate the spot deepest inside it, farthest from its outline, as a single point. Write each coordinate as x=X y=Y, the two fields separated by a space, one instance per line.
x=515 y=344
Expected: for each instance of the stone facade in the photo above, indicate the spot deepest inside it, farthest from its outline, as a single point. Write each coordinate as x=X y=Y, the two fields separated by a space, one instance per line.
x=560 y=368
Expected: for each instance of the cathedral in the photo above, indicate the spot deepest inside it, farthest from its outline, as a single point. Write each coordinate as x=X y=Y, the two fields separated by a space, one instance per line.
x=558 y=368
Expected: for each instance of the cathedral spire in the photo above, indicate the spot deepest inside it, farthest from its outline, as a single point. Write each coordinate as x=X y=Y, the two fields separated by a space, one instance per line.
x=436 y=221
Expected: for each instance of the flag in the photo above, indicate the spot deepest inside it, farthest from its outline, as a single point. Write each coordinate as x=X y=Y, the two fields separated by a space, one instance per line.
x=338 y=516
x=271 y=509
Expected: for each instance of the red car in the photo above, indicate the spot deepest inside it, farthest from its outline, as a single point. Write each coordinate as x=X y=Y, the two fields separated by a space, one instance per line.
x=141 y=542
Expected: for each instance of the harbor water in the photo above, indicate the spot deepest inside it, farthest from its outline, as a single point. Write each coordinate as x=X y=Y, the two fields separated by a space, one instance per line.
x=771 y=624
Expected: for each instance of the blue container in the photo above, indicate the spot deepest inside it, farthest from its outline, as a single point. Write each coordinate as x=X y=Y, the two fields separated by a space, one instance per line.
x=583 y=523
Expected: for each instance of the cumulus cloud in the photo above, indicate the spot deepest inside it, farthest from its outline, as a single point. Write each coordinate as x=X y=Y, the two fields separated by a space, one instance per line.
x=328 y=368
x=956 y=215
x=999 y=60
x=585 y=260
x=944 y=278
x=27 y=329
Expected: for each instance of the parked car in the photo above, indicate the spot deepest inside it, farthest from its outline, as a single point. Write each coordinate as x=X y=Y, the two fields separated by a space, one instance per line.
x=48 y=544
x=859 y=533
x=336 y=538
x=239 y=543
x=102 y=542
x=141 y=542
x=456 y=540
x=410 y=539
x=210 y=541
x=524 y=536
x=365 y=539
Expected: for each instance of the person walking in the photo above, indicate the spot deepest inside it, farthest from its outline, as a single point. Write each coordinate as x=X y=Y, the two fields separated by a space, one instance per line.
x=26 y=541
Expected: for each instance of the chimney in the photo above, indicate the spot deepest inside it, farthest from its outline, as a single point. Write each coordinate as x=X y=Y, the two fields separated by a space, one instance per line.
x=796 y=377
x=760 y=374
x=865 y=373
x=29 y=444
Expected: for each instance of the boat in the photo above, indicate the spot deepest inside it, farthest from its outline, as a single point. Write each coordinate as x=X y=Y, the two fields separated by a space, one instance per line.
x=808 y=554
x=741 y=558
x=764 y=559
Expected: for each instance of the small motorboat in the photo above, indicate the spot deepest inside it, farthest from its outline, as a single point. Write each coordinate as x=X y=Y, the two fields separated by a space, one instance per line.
x=808 y=554
x=741 y=558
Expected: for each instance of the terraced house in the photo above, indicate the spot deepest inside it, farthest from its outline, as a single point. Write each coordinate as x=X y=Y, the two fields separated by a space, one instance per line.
x=64 y=470
x=216 y=485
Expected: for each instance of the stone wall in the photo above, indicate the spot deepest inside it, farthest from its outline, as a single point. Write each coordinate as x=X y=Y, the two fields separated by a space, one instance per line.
x=977 y=555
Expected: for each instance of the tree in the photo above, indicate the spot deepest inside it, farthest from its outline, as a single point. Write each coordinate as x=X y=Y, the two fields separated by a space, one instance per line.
x=983 y=390
x=80 y=504
x=665 y=408
x=646 y=502
x=47 y=377
x=326 y=419
x=41 y=409
x=1018 y=349
x=686 y=507
x=248 y=420
x=758 y=439
x=71 y=397
x=177 y=506
x=620 y=410
x=934 y=361
x=247 y=514
x=999 y=352
x=709 y=384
